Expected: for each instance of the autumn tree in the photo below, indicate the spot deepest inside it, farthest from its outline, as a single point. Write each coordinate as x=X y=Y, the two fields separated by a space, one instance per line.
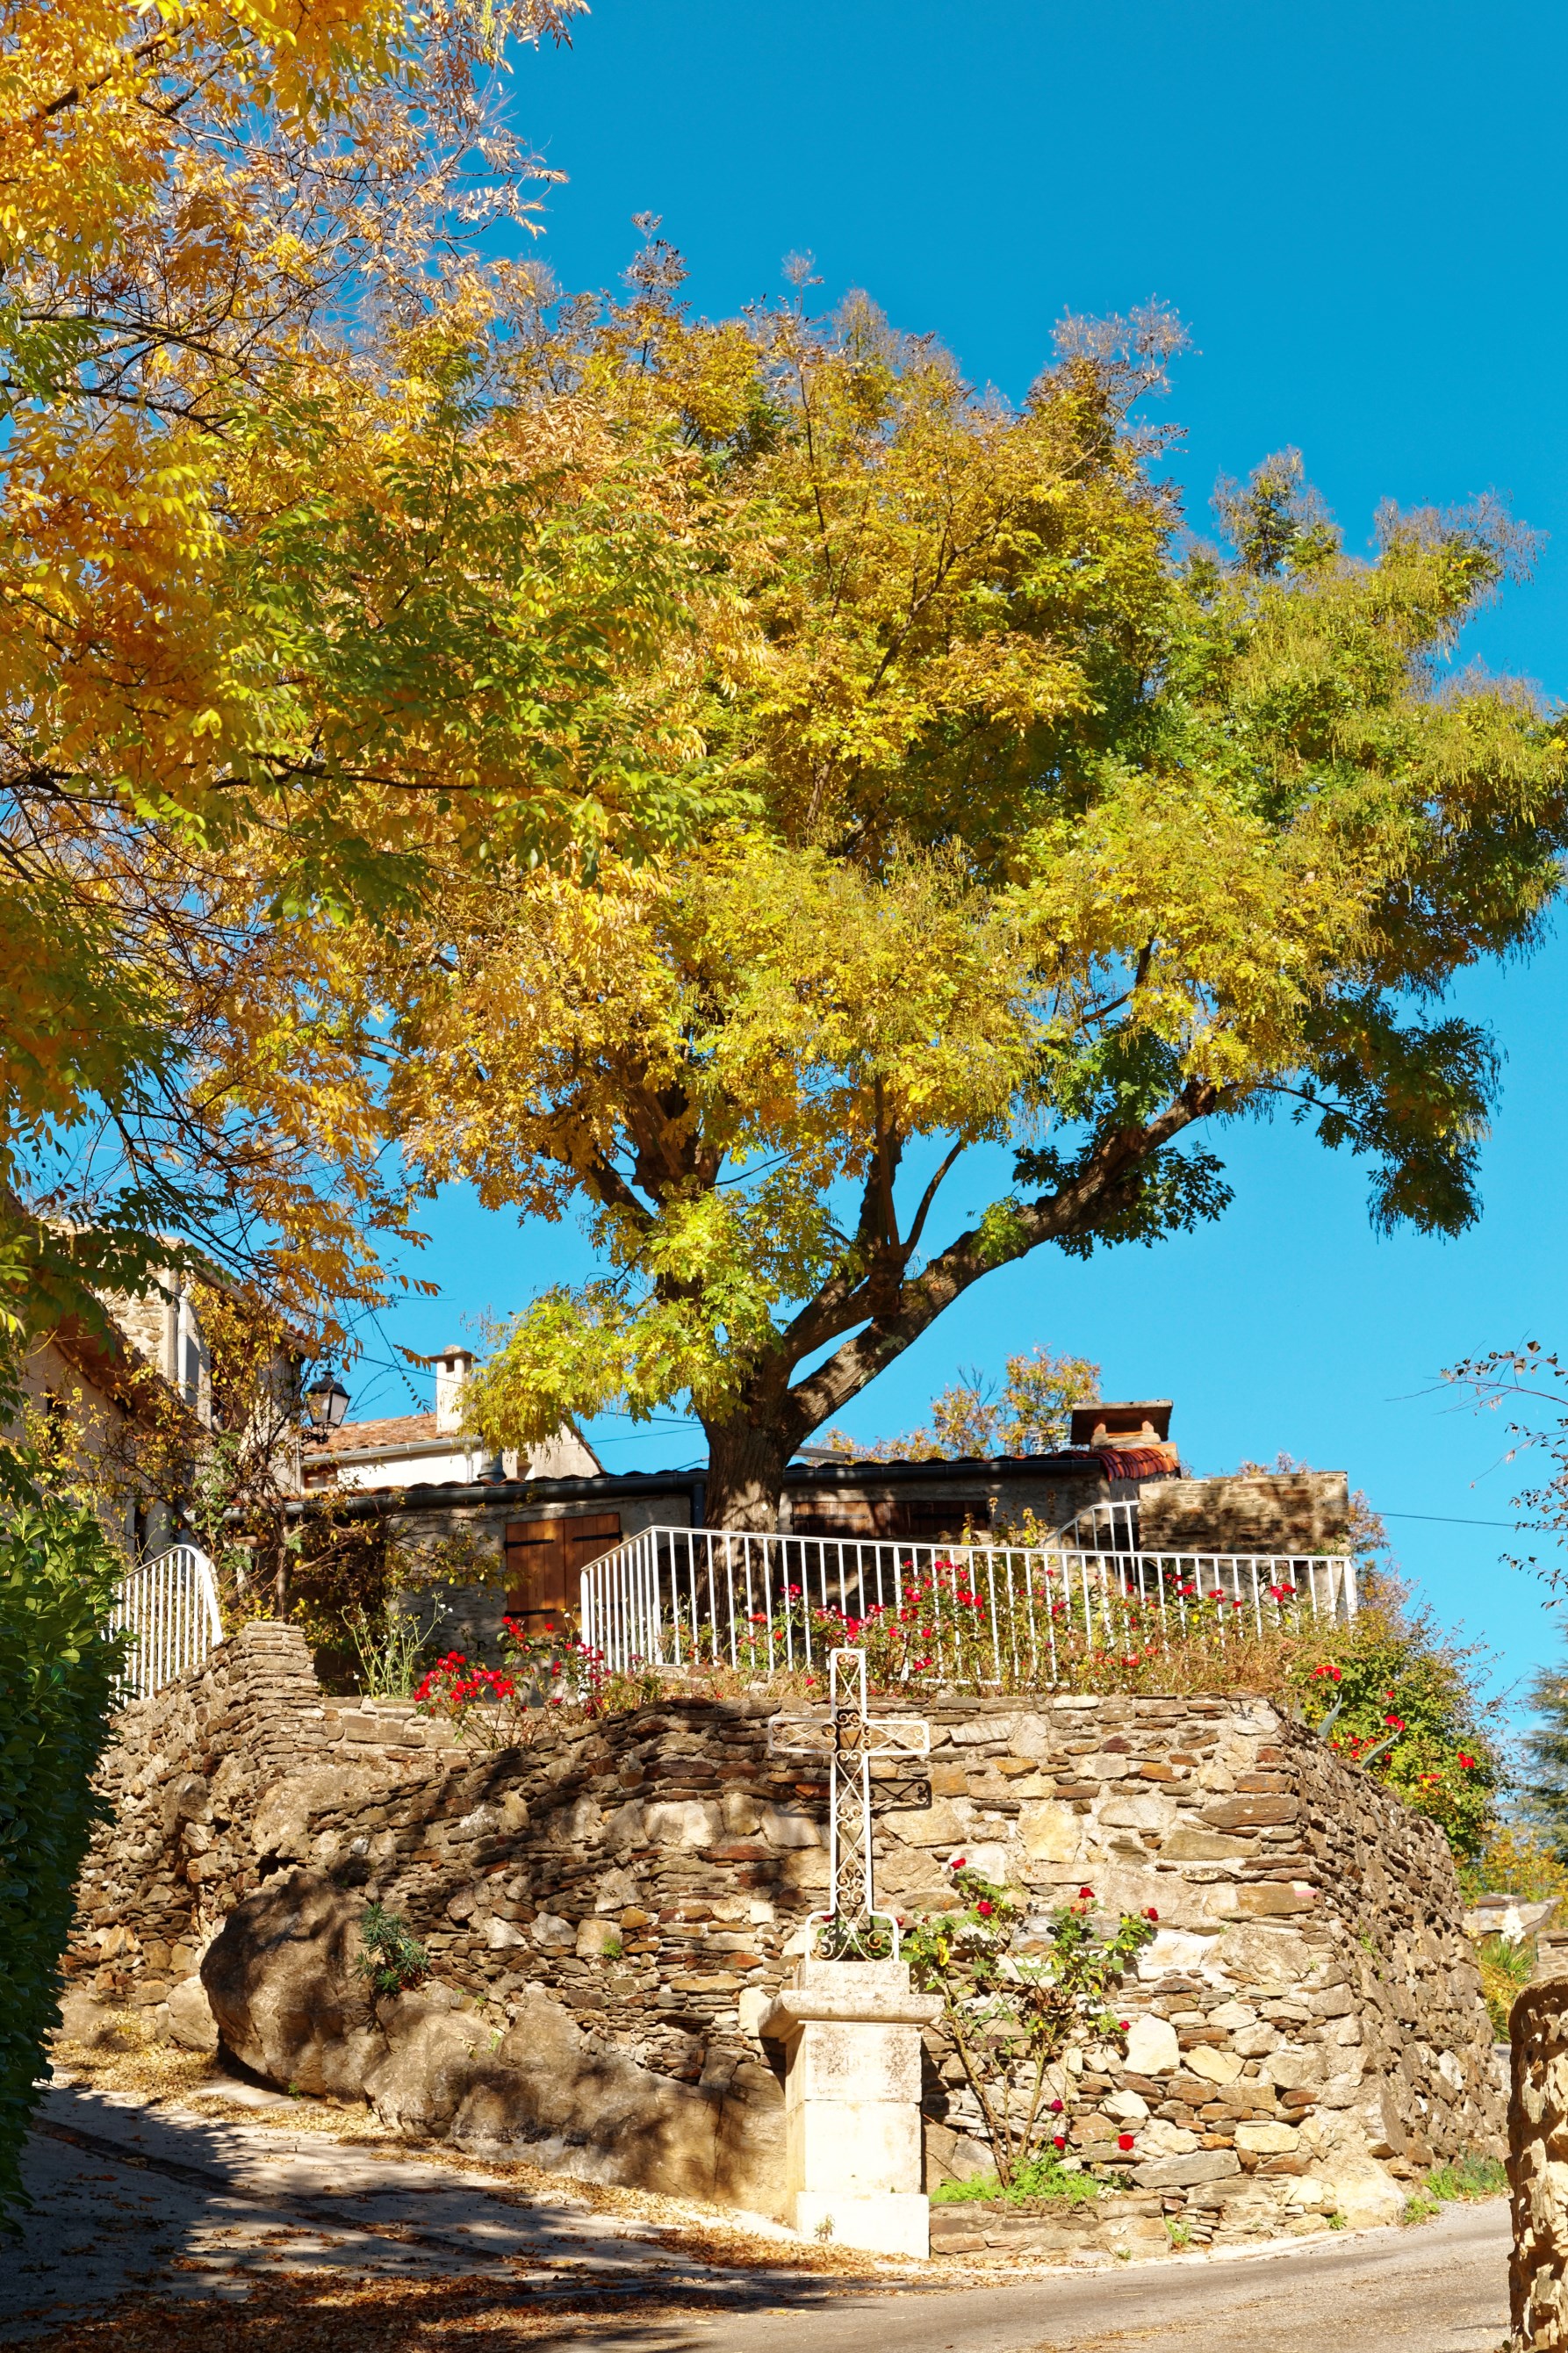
x=307 y=564
x=1063 y=833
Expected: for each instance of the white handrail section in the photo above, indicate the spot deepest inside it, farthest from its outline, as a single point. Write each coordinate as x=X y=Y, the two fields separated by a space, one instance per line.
x=765 y=1604
x=169 y=1607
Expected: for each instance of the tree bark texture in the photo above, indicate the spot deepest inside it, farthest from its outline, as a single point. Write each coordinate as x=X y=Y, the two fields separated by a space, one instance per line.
x=746 y=1463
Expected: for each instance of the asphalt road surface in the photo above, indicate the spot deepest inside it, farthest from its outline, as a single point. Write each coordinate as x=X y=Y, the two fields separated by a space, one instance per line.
x=1439 y=2287
x=132 y=2201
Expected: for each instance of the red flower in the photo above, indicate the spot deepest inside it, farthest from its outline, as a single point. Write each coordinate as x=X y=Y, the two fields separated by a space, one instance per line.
x=1086 y=1894
x=1124 y=2140
x=1059 y=2140
x=957 y=1863
x=1121 y=2025
x=1055 y=2107
x=983 y=1908
x=1151 y=1913
x=1396 y=1723
x=1464 y=1762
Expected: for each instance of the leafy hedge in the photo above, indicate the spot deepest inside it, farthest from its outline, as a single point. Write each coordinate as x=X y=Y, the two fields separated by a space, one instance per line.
x=57 y=1673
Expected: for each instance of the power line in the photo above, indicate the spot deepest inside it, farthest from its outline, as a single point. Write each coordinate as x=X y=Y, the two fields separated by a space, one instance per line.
x=1447 y=1520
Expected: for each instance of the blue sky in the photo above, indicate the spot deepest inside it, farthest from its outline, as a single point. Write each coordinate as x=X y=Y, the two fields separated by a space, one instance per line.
x=1359 y=213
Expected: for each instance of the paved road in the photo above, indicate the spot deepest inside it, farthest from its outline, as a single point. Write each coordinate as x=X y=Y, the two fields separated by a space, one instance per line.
x=1441 y=2287
x=132 y=2201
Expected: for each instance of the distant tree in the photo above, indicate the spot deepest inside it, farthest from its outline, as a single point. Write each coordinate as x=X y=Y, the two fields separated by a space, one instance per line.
x=1543 y=1801
x=1029 y=1413
x=1528 y=1387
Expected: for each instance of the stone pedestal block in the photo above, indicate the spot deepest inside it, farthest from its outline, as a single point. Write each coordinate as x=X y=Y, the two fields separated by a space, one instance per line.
x=852 y=2089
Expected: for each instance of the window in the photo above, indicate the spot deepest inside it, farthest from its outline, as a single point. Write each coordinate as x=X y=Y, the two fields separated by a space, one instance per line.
x=937 y=1519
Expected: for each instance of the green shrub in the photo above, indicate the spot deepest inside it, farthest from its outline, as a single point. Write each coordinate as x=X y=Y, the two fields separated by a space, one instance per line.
x=59 y=1671
x=1462 y=2179
x=1038 y=2177
x=393 y=1959
x=1468 y=2177
x=1506 y=1969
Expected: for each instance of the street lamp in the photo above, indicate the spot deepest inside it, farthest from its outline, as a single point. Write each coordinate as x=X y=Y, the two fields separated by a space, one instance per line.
x=326 y=1400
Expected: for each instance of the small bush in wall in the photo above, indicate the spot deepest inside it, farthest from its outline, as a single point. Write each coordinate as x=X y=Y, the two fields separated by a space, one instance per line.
x=393 y=1959
x=1038 y=2178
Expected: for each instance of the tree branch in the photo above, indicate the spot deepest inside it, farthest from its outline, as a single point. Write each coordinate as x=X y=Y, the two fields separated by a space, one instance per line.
x=1106 y=1183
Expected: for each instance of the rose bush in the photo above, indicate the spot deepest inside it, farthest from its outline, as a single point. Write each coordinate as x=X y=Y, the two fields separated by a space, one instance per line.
x=1014 y=2009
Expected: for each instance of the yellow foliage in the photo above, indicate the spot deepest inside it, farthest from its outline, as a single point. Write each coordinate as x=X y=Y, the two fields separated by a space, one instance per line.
x=1049 y=837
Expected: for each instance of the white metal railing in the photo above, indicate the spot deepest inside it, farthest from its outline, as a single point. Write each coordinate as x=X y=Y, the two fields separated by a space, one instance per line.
x=762 y=1604
x=169 y=1610
x=1104 y=1527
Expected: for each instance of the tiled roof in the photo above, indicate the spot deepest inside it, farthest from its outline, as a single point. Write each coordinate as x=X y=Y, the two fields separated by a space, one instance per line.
x=399 y=1430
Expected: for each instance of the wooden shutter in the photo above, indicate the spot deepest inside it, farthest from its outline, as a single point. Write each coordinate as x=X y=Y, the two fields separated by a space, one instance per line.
x=585 y=1539
x=544 y=1560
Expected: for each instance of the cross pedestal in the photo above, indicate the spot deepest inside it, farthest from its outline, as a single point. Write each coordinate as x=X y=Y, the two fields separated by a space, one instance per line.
x=851 y=2029
x=854 y=2155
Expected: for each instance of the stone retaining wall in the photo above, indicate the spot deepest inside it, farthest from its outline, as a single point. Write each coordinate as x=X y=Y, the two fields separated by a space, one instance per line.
x=1307 y=2030
x=1537 y=2124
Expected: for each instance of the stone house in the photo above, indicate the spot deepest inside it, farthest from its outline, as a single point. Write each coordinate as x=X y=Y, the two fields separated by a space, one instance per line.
x=95 y=1386
x=117 y=1392
x=485 y=1534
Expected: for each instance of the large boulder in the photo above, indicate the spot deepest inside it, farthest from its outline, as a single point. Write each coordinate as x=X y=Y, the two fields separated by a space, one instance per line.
x=573 y=2105
x=191 y=2020
x=290 y=2002
x=424 y=2073
x=286 y=1991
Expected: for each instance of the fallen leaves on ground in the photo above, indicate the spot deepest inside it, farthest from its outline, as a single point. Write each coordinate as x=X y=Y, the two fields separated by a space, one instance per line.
x=170 y=2078
x=335 y=2312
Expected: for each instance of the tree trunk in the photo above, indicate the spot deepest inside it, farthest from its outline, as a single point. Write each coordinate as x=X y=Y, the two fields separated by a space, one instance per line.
x=745 y=1472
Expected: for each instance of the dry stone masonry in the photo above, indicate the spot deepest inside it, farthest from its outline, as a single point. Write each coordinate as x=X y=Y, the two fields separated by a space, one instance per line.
x=1537 y=2132
x=611 y=1911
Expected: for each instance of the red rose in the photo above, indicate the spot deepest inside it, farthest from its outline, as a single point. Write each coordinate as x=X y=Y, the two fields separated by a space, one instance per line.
x=1123 y=2140
x=1121 y=2025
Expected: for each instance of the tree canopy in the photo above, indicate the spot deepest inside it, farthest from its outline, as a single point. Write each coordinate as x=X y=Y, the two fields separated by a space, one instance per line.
x=1052 y=827
x=302 y=569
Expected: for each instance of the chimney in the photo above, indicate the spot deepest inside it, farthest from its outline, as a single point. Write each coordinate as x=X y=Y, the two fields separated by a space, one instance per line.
x=453 y=1366
x=1146 y=1423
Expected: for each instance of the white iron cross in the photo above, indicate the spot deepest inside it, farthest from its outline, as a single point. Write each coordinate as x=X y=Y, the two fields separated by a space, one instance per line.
x=851 y=1740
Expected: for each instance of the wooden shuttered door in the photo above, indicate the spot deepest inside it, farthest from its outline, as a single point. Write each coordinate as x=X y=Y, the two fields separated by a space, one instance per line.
x=544 y=1561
